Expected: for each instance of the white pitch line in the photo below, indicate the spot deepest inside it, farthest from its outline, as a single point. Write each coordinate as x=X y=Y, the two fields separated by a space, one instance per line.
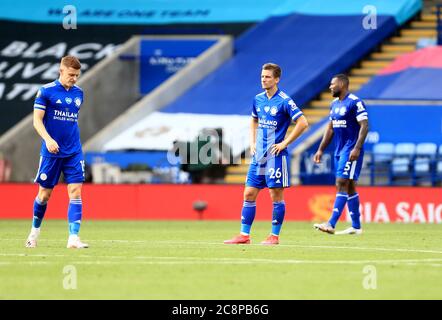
x=229 y=261
x=182 y=243
x=30 y=255
x=233 y=260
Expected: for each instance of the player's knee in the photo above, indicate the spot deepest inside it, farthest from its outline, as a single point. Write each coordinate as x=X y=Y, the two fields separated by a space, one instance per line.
x=351 y=188
x=44 y=195
x=342 y=185
x=249 y=195
x=276 y=196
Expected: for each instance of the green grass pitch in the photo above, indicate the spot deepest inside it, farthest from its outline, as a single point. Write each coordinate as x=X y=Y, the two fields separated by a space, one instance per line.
x=187 y=260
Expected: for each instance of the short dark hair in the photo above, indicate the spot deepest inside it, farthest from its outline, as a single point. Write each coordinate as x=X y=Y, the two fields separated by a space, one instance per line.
x=343 y=78
x=71 y=62
x=276 y=70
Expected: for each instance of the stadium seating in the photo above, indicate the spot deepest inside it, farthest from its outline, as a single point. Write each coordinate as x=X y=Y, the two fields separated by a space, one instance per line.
x=305 y=72
x=406 y=163
x=383 y=152
x=403 y=156
x=425 y=156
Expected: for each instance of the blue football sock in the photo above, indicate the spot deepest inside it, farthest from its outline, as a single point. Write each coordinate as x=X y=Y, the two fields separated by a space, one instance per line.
x=39 y=212
x=247 y=216
x=353 y=208
x=278 y=217
x=74 y=216
x=341 y=199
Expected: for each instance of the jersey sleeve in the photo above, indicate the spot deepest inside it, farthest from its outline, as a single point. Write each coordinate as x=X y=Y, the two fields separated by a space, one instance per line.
x=82 y=95
x=361 y=111
x=254 y=113
x=292 y=109
x=41 y=101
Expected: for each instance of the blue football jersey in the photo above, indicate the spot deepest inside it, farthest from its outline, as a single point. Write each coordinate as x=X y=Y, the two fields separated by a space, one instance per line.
x=345 y=116
x=274 y=116
x=61 y=108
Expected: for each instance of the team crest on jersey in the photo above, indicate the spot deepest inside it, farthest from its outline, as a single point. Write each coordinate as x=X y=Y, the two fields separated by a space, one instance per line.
x=77 y=102
x=266 y=109
x=273 y=110
x=342 y=111
x=68 y=100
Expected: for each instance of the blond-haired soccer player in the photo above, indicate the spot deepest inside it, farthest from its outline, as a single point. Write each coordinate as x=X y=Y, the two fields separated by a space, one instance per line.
x=56 y=111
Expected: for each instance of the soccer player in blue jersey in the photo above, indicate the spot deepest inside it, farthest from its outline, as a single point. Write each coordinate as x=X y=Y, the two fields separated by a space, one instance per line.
x=272 y=113
x=349 y=124
x=56 y=111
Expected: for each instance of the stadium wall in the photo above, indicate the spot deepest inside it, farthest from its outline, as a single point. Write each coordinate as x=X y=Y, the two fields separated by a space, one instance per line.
x=175 y=202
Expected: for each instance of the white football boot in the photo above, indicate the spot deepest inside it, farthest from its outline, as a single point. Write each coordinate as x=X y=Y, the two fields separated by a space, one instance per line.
x=324 y=227
x=350 y=230
x=74 y=242
x=31 y=242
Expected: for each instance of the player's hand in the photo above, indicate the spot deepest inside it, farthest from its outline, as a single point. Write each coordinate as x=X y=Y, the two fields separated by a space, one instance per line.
x=277 y=148
x=354 y=154
x=52 y=146
x=317 y=157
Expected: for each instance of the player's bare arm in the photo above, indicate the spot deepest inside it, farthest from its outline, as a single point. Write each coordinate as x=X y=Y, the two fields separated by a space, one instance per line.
x=51 y=144
x=326 y=139
x=300 y=126
x=363 y=131
x=253 y=129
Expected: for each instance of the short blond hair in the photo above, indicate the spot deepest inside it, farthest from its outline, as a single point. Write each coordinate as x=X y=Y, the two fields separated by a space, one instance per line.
x=71 y=62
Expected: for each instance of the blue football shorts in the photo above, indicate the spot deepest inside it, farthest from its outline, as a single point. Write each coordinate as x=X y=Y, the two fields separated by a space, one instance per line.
x=348 y=169
x=50 y=169
x=272 y=173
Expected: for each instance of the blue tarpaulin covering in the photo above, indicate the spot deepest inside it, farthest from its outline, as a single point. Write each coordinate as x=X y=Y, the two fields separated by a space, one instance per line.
x=412 y=76
x=310 y=50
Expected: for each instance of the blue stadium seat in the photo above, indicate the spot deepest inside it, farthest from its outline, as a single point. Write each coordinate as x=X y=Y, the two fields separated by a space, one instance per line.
x=403 y=156
x=382 y=155
x=383 y=152
x=425 y=156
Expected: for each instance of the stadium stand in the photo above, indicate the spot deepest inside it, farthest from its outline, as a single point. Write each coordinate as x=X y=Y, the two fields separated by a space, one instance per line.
x=307 y=71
